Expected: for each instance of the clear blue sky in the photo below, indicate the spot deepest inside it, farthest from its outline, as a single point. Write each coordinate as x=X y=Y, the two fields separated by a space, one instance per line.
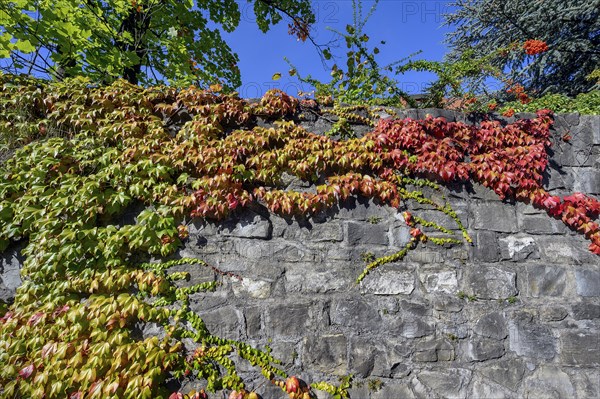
x=406 y=27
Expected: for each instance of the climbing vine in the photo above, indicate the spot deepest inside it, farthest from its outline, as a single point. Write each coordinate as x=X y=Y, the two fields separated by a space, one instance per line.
x=81 y=157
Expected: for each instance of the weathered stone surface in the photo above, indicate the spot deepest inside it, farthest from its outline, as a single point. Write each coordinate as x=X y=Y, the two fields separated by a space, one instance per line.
x=227 y=322
x=541 y=280
x=10 y=277
x=518 y=248
x=586 y=383
x=447 y=383
x=400 y=234
x=424 y=256
x=530 y=339
x=586 y=311
x=448 y=304
x=367 y=233
x=594 y=123
x=289 y=320
x=389 y=282
x=483 y=389
x=486 y=248
x=355 y=313
x=415 y=328
x=252 y=288
x=580 y=348
x=316 y=232
x=587 y=181
x=363 y=209
x=553 y=313
x=303 y=277
x=533 y=224
x=287 y=351
x=393 y=389
x=480 y=349
x=508 y=373
x=559 y=178
x=253 y=318
x=325 y=353
x=436 y=279
x=565 y=250
x=548 y=382
x=495 y=216
x=362 y=357
x=250 y=225
x=588 y=282
x=578 y=152
x=491 y=282
x=492 y=325
x=440 y=350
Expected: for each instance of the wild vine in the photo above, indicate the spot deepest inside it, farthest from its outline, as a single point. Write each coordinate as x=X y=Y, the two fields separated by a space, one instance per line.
x=84 y=155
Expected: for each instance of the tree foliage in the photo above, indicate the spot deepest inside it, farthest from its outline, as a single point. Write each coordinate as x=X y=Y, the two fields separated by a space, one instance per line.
x=146 y=41
x=360 y=79
x=571 y=30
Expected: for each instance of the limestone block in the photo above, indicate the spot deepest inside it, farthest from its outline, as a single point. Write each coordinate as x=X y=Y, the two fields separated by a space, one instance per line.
x=494 y=216
x=330 y=231
x=486 y=247
x=507 y=373
x=446 y=383
x=587 y=180
x=518 y=248
x=436 y=279
x=366 y=233
x=586 y=311
x=289 y=320
x=480 y=349
x=10 y=273
x=391 y=280
x=553 y=313
x=588 y=282
x=249 y=225
x=580 y=348
x=483 y=389
x=491 y=282
x=542 y=224
x=492 y=325
x=440 y=350
x=311 y=278
x=355 y=313
x=226 y=322
x=531 y=339
x=325 y=353
x=586 y=383
x=539 y=280
x=393 y=389
x=548 y=382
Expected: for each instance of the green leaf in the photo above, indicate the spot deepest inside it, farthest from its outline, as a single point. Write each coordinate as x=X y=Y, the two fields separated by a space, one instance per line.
x=24 y=46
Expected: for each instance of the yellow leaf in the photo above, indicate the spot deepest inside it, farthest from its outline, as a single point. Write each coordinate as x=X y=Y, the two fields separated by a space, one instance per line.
x=276 y=76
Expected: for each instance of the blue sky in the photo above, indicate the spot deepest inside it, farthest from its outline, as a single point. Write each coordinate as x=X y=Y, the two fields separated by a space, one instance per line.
x=406 y=27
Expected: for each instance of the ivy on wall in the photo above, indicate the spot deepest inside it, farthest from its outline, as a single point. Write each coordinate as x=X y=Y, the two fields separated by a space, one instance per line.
x=83 y=155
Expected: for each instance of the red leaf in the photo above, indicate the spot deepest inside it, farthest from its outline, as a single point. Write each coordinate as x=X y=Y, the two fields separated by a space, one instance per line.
x=416 y=232
x=35 y=319
x=26 y=372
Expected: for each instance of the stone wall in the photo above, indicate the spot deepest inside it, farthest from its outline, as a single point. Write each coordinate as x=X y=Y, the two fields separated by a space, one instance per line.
x=515 y=315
